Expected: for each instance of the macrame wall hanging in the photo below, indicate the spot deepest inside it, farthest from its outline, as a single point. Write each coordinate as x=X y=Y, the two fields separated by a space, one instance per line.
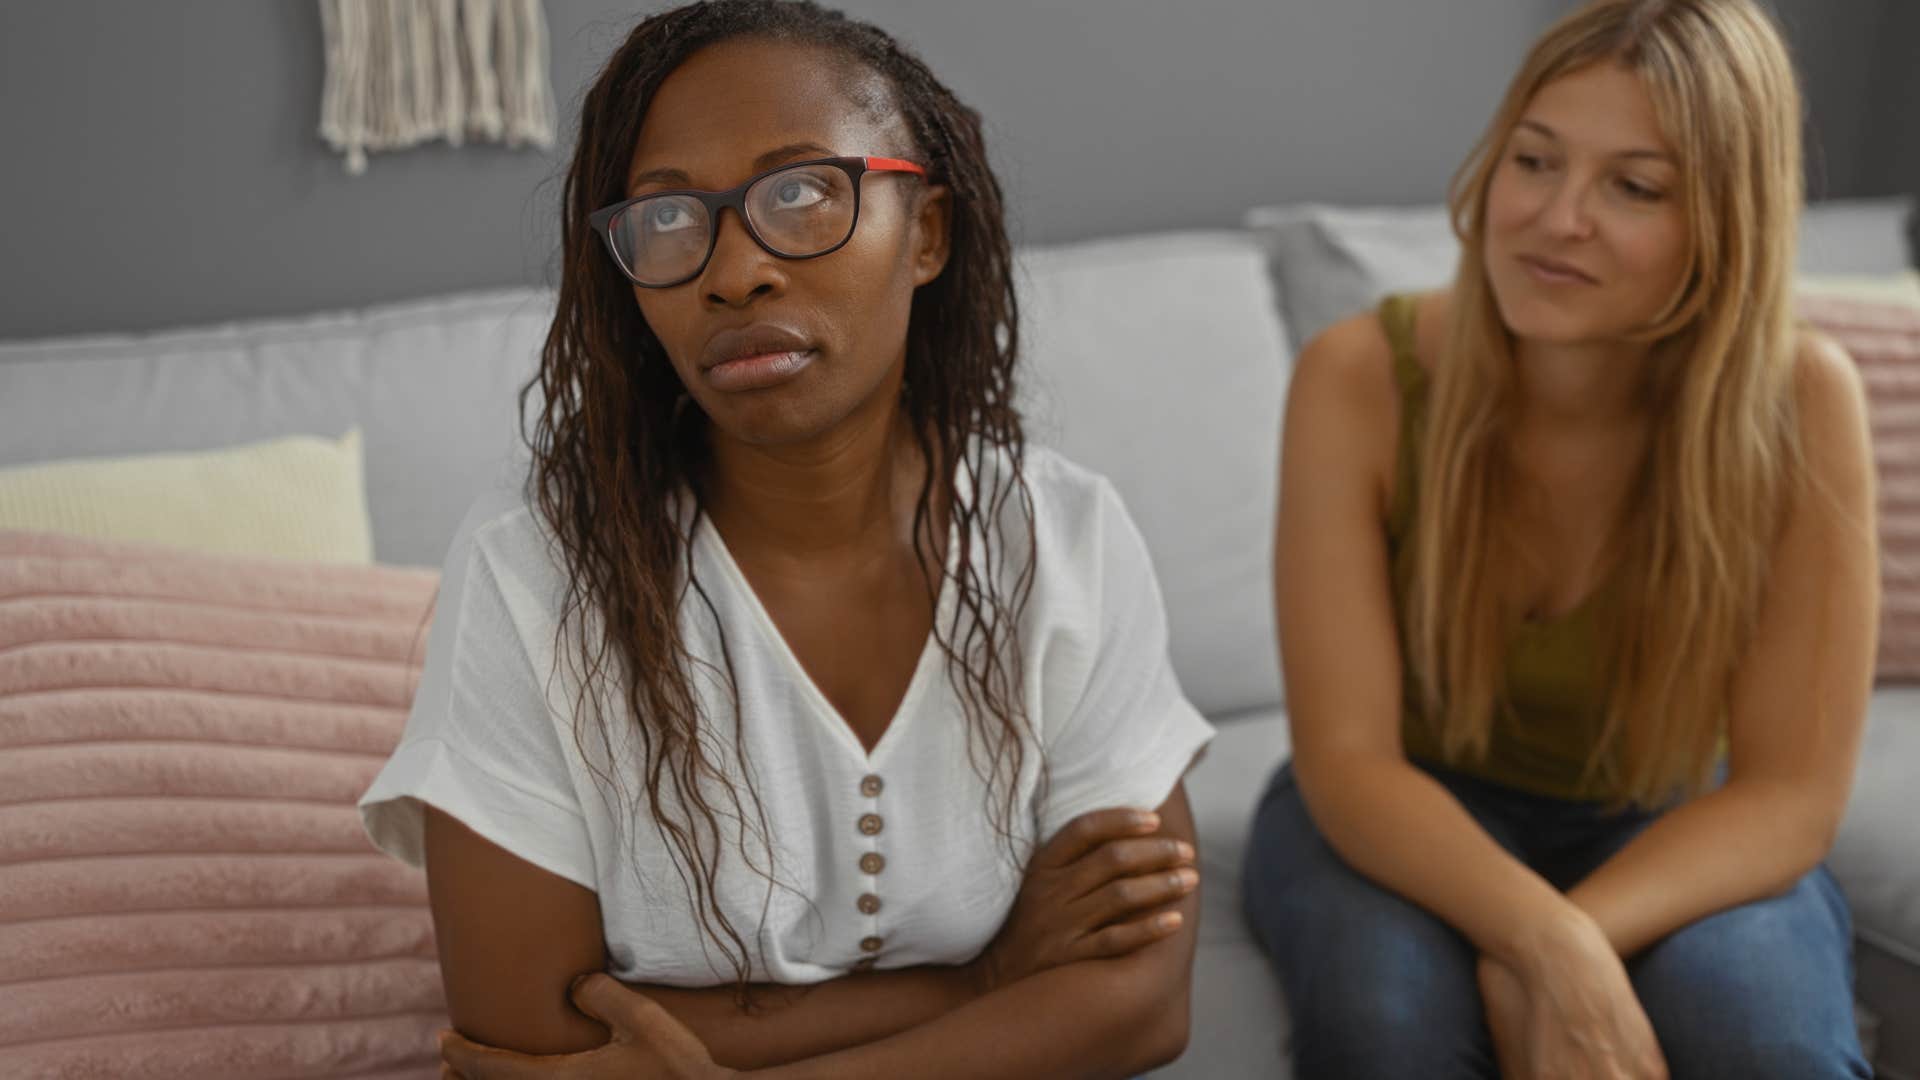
x=404 y=72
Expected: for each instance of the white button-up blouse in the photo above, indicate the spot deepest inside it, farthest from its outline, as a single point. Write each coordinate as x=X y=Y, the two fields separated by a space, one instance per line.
x=888 y=858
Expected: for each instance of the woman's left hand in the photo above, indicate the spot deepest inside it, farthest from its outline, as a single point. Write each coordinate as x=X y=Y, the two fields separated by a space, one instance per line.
x=647 y=1042
x=1503 y=1001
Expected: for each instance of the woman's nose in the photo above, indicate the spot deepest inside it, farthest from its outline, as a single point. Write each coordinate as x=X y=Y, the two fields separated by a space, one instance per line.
x=1567 y=215
x=739 y=270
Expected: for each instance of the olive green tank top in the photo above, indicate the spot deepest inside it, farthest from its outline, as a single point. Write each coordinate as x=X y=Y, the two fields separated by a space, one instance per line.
x=1551 y=709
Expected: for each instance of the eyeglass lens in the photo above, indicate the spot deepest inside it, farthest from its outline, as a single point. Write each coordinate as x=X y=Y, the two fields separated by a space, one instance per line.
x=796 y=212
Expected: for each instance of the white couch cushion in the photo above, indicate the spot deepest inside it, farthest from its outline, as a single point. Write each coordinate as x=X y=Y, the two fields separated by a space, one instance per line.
x=1155 y=360
x=432 y=385
x=1239 y=1025
x=1329 y=262
x=1876 y=856
x=1159 y=362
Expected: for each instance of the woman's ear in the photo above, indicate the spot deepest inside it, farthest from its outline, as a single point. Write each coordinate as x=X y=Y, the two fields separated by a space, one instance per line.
x=932 y=233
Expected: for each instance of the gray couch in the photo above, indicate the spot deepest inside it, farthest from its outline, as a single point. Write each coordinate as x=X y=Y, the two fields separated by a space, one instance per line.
x=1160 y=361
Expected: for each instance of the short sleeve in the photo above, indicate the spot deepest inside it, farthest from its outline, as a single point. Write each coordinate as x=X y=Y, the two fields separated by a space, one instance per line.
x=480 y=744
x=1128 y=734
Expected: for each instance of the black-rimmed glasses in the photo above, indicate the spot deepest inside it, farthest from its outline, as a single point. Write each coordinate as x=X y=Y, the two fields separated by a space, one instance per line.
x=798 y=211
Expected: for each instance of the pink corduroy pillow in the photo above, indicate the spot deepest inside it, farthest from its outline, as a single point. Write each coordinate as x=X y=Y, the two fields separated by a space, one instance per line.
x=185 y=889
x=1884 y=339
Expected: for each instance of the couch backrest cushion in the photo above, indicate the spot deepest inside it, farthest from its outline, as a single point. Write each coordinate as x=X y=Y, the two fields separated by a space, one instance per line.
x=1158 y=361
x=431 y=384
x=1329 y=262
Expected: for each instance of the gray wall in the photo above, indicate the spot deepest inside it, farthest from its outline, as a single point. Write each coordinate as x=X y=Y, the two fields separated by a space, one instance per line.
x=1837 y=47
x=1893 y=137
x=162 y=166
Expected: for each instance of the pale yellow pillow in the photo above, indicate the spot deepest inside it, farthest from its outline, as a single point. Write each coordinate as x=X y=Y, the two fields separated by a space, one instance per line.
x=1869 y=288
x=301 y=498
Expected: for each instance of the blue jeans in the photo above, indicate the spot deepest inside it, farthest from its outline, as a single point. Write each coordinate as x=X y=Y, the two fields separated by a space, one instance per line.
x=1379 y=987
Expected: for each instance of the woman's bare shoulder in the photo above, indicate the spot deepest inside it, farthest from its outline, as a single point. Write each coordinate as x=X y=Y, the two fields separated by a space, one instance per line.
x=1345 y=395
x=1347 y=369
x=1352 y=360
x=1831 y=403
x=1823 y=370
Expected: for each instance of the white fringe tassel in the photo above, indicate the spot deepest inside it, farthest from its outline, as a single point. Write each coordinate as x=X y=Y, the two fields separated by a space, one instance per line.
x=404 y=72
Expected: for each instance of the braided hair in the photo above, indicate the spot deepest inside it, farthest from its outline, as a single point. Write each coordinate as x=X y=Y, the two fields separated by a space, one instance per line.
x=618 y=446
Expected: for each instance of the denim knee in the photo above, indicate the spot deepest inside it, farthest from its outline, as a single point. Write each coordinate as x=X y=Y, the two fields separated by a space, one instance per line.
x=1386 y=1018
x=1762 y=990
x=1375 y=985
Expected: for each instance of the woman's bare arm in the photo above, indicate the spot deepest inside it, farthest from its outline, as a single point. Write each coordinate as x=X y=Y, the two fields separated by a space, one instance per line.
x=1798 y=704
x=1341 y=655
x=512 y=937
x=1094 y=1018
x=790 y=1023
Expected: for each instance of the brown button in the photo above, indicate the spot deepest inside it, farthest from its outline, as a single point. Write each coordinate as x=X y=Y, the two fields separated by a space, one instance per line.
x=870 y=944
x=870 y=824
x=865 y=963
x=868 y=904
x=872 y=862
x=871 y=786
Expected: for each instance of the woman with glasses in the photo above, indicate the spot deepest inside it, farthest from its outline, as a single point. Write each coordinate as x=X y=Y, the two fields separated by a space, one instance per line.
x=799 y=695
x=1577 y=589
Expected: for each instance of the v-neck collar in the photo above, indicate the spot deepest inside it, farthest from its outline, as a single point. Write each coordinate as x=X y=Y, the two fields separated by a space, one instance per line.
x=1588 y=607
x=924 y=670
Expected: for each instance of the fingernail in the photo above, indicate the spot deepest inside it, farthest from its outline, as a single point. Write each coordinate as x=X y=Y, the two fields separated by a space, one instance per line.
x=1167 y=920
x=574 y=986
x=1185 y=879
x=1147 y=819
x=1184 y=849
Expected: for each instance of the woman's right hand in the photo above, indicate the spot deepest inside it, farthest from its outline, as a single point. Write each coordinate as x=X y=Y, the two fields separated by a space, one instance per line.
x=1091 y=892
x=1567 y=1008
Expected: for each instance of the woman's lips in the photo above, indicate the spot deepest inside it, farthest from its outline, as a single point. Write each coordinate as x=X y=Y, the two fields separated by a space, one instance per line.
x=1555 y=273
x=758 y=372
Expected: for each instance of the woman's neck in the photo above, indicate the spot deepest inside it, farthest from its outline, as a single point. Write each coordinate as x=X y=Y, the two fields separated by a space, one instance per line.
x=851 y=489
x=1581 y=387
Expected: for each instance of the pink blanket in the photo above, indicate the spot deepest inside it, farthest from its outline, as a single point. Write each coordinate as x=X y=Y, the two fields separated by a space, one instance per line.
x=1884 y=339
x=185 y=890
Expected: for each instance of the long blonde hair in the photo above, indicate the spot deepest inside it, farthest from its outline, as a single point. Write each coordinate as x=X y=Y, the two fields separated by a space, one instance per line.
x=1709 y=501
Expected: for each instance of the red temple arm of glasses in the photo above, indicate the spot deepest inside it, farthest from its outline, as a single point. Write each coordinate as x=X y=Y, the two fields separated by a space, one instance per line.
x=887 y=164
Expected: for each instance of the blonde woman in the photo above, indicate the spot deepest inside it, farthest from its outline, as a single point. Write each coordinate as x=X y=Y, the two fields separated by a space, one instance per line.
x=1577 y=594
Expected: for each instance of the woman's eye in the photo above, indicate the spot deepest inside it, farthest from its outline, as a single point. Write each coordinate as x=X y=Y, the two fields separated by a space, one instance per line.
x=667 y=217
x=796 y=192
x=1529 y=162
x=1635 y=190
